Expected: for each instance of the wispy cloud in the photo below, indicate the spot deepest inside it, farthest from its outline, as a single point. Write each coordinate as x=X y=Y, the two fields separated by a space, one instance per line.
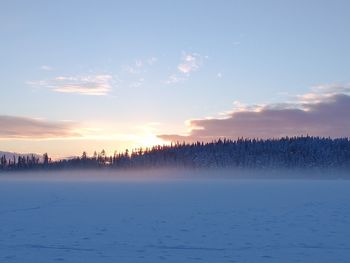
x=322 y=112
x=94 y=85
x=130 y=75
x=174 y=78
x=134 y=74
x=151 y=61
x=46 y=68
x=16 y=127
x=97 y=85
x=322 y=92
x=139 y=65
x=190 y=63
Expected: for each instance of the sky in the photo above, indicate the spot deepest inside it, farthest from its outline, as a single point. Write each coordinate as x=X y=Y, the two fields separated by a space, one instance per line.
x=90 y=75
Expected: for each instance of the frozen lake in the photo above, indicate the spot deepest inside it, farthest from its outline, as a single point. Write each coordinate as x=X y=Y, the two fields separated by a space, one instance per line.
x=175 y=221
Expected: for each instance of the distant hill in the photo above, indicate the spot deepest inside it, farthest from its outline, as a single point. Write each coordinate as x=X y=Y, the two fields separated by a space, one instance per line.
x=9 y=155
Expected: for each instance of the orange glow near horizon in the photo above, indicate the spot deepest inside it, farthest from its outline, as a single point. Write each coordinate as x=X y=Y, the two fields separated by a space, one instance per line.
x=90 y=140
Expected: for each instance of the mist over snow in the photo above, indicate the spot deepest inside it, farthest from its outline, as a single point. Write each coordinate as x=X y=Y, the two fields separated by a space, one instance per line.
x=173 y=175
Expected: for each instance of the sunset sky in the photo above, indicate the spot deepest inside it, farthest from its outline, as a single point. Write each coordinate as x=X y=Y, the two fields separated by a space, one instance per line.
x=93 y=75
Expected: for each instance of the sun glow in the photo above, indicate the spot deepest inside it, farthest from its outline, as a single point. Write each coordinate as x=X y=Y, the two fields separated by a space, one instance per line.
x=90 y=137
x=149 y=140
x=139 y=136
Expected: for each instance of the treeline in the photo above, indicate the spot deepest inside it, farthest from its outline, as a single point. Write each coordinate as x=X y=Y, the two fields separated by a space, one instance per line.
x=294 y=152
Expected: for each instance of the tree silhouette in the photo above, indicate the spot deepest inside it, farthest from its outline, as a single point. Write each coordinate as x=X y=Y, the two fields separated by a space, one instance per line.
x=289 y=153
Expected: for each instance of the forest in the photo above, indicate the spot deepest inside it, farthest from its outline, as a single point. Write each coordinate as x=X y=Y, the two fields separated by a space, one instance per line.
x=287 y=152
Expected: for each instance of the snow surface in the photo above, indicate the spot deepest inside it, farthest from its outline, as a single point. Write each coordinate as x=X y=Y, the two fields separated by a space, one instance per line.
x=178 y=220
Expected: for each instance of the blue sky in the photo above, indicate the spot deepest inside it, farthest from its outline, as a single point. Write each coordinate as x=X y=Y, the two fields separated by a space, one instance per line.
x=120 y=72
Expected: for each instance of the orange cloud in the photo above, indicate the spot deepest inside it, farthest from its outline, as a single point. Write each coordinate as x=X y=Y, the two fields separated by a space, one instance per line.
x=321 y=115
x=15 y=127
